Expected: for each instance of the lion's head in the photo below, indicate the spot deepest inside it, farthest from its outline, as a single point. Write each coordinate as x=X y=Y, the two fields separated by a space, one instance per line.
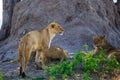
x=55 y=28
x=99 y=41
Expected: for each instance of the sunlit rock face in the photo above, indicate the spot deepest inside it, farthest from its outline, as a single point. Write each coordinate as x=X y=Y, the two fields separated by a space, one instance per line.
x=81 y=19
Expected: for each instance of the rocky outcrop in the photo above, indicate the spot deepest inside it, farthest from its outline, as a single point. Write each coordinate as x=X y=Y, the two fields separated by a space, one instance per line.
x=81 y=19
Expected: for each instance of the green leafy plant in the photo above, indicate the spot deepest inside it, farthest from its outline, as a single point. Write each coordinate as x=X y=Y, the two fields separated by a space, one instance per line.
x=86 y=76
x=85 y=47
x=107 y=65
x=60 y=70
x=99 y=63
x=1 y=76
x=89 y=64
x=39 y=78
x=52 y=78
x=78 y=59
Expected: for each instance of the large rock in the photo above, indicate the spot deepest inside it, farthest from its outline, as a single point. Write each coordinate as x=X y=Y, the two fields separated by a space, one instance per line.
x=81 y=19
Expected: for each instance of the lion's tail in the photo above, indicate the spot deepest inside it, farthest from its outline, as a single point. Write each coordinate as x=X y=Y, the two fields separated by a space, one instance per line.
x=15 y=60
x=23 y=55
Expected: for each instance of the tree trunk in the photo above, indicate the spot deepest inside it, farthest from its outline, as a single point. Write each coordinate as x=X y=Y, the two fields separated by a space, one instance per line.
x=8 y=6
x=118 y=6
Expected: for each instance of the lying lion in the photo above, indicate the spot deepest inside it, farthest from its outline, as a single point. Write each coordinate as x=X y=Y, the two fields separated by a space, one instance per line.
x=101 y=42
x=38 y=41
x=55 y=52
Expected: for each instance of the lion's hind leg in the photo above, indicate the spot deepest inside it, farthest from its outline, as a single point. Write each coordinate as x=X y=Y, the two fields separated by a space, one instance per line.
x=28 y=55
x=22 y=67
x=24 y=59
x=27 y=58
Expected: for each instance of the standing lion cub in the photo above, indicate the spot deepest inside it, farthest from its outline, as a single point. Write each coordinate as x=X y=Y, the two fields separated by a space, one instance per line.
x=39 y=41
x=101 y=42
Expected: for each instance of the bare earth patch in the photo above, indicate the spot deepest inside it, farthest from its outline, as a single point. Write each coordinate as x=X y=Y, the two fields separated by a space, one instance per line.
x=11 y=72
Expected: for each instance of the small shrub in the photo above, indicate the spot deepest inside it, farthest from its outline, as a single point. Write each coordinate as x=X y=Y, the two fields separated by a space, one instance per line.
x=86 y=76
x=89 y=64
x=39 y=78
x=52 y=78
x=60 y=70
x=78 y=59
x=85 y=47
x=107 y=65
x=1 y=76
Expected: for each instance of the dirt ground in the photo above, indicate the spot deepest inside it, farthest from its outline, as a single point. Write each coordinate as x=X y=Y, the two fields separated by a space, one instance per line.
x=11 y=72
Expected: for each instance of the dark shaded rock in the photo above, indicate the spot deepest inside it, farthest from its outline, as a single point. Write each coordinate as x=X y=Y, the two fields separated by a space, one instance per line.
x=81 y=19
x=118 y=13
x=8 y=6
x=118 y=6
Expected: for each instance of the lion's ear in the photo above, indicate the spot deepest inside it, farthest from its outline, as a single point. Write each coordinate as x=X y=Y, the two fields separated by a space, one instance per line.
x=52 y=25
x=95 y=36
x=103 y=37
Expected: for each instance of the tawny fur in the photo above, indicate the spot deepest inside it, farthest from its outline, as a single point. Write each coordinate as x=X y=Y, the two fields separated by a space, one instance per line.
x=38 y=41
x=101 y=42
x=55 y=52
